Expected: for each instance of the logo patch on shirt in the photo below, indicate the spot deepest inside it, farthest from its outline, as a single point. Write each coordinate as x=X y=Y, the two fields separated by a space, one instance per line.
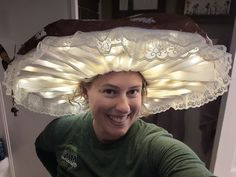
x=69 y=157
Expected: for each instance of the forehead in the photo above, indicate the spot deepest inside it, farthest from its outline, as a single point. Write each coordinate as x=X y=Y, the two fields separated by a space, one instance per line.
x=119 y=79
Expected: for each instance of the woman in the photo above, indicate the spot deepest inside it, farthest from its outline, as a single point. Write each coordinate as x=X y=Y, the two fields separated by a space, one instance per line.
x=111 y=141
x=111 y=78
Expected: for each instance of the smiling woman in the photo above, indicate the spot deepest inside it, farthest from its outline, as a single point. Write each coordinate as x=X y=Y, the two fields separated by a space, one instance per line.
x=115 y=101
x=104 y=82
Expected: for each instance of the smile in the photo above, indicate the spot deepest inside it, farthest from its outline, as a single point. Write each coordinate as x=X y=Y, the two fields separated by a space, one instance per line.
x=118 y=120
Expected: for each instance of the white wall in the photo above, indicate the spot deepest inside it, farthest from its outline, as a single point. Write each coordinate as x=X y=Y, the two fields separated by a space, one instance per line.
x=20 y=20
x=224 y=154
x=4 y=164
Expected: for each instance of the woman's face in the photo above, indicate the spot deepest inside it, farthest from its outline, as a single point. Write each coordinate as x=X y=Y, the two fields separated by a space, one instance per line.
x=115 y=101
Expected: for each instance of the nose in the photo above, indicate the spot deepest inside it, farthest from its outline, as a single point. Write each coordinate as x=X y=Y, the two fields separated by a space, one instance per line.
x=122 y=105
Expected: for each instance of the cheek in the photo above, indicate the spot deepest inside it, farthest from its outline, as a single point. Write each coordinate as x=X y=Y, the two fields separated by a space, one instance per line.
x=136 y=103
x=140 y=100
x=96 y=102
x=92 y=102
x=139 y=104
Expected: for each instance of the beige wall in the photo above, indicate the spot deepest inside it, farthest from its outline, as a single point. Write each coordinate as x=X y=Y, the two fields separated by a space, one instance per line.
x=19 y=20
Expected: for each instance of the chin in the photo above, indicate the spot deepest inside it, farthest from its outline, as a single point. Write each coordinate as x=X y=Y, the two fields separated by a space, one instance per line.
x=117 y=134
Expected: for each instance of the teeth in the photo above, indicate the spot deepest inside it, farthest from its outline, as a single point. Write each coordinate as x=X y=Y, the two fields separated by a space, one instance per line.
x=118 y=119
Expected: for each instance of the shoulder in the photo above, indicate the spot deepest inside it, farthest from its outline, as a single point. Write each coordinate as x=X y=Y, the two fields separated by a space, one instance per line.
x=61 y=128
x=149 y=130
x=174 y=157
x=68 y=122
x=148 y=136
x=159 y=141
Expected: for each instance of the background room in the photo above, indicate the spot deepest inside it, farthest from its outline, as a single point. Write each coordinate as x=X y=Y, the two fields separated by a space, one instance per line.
x=207 y=130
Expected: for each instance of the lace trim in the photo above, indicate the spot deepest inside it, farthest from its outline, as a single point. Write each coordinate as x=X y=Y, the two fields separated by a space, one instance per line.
x=85 y=55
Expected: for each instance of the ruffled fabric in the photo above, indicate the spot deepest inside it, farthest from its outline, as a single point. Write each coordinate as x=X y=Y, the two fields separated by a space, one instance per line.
x=182 y=70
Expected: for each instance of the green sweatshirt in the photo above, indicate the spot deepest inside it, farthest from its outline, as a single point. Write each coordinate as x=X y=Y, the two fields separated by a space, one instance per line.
x=68 y=147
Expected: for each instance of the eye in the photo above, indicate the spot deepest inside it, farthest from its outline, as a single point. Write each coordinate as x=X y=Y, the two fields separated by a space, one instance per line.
x=134 y=92
x=109 y=92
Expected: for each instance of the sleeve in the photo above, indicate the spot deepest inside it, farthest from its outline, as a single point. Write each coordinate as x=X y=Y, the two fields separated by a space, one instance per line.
x=49 y=161
x=45 y=147
x=172 y=158
x=50 y=138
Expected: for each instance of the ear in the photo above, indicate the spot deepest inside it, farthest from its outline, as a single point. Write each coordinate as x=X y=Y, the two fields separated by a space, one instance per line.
x=84 y=91
x=85 y=94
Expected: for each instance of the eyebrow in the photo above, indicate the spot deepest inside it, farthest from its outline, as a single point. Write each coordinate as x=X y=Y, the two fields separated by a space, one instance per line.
x=116 y=87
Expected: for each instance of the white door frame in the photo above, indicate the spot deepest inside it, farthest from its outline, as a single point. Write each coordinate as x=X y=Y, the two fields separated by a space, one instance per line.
x=6 y=133
x=224 y=152
x=74 y=9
